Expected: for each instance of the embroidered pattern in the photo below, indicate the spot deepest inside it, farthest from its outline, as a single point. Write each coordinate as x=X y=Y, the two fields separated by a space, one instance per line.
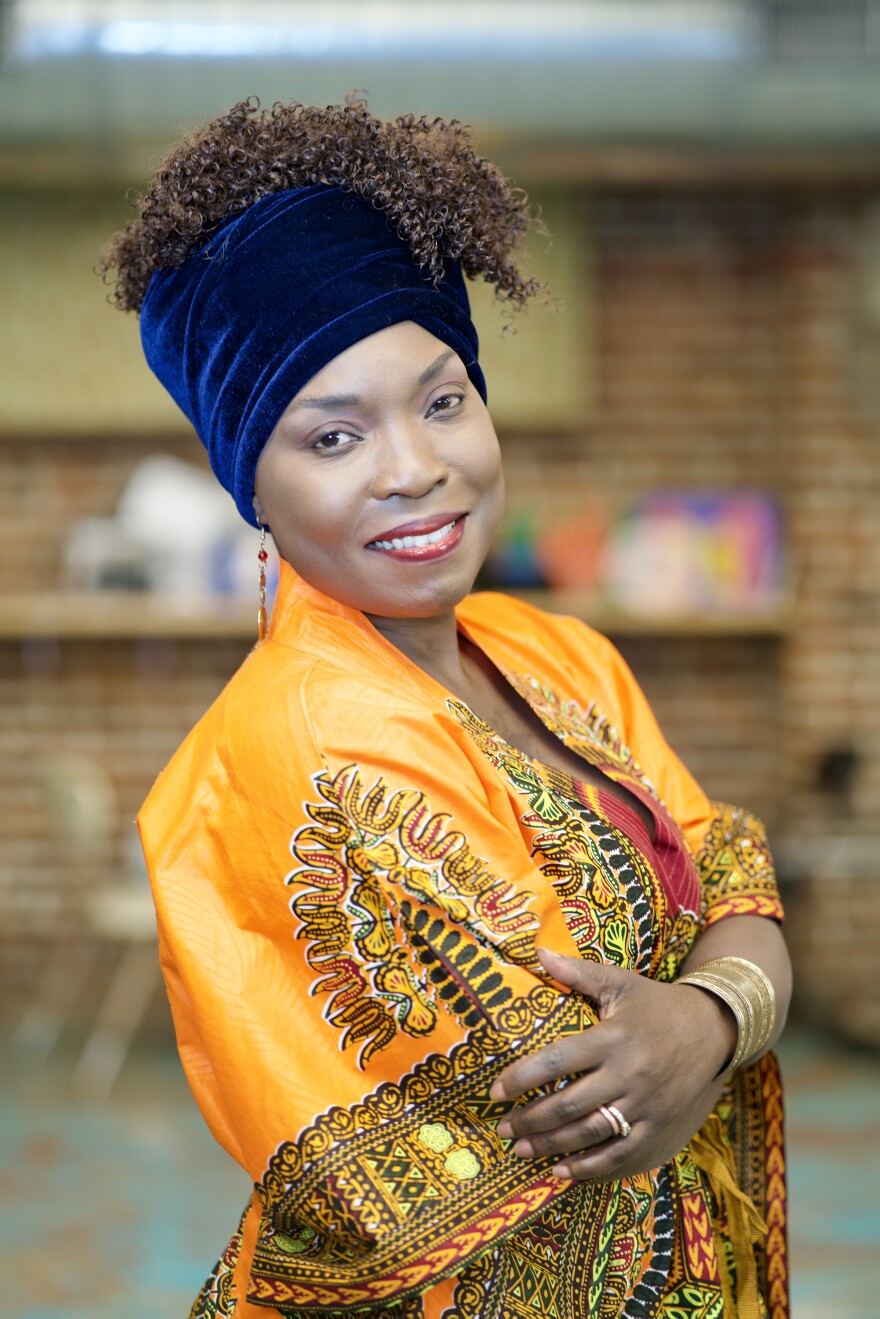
x=696 y=1256
x=385 y=1198
x=411 y=1309
x=585 y=729
x=769 y=1172
x=585 y=1254
x=614 y=903
x=216 y=1300
x=373 y=865
x=734 y=864
x=735 y=867
x=690 y=1301
x=374 y=1204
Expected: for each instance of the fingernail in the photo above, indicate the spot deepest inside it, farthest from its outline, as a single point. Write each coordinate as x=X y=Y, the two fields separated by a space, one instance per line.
x=560 y=1171
x=496 y=1090
x=504 y=1129
x=523 y=1148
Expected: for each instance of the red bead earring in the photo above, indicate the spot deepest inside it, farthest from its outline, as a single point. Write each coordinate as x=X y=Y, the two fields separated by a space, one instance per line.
x=263 y=557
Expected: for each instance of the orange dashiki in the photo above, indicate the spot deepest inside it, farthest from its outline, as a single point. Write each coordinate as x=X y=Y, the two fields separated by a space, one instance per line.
x=351 y=872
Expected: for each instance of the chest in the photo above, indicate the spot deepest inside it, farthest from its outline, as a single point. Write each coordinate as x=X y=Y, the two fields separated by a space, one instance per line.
x=495 y=701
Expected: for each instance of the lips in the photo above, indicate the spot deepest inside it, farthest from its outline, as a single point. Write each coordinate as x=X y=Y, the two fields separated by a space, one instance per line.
x=428 y=538
x=417 y=527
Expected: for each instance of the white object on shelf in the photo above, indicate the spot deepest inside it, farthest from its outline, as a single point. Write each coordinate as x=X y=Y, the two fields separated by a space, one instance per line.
x=180 y=518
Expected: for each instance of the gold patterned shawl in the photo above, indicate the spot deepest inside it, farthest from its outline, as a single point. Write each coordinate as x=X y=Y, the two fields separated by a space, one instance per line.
x=351 y=872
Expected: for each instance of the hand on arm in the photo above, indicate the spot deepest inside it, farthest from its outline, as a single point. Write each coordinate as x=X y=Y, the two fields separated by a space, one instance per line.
x=655 y=1054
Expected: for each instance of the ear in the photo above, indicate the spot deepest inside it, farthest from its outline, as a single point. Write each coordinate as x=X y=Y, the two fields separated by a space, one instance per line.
x=258 y=510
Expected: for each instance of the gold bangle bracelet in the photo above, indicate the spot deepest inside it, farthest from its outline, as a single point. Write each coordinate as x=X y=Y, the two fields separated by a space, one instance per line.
x=756 y=983
x=749 y=994
x=741 y=1009
x=739 y=1005
x=737 y=982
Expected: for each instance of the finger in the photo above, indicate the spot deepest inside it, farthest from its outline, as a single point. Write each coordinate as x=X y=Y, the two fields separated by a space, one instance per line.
x=595 y=980
x=570 y=1104
x=592 y=1130
x=570 y=1055
x=609 y=1161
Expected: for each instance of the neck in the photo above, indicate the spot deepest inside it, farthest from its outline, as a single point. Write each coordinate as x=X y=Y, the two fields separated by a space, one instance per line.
x=431 y=643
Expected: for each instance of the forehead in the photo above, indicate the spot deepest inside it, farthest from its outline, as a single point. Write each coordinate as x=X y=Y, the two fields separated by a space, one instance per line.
x=402 y=351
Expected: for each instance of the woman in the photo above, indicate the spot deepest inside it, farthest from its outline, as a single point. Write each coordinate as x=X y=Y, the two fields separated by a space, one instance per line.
x=466 y=970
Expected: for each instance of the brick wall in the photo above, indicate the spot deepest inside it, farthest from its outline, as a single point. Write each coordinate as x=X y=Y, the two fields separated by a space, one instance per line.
x=722 y=343
x=831 y=666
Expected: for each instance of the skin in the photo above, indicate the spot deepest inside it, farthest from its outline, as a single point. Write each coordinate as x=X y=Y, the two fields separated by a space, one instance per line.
x=390 y=432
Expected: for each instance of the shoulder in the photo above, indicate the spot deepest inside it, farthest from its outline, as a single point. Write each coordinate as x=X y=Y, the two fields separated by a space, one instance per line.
x=514 y=615
x=242 y=731
x=496 y=614
x=559 y=646
x=285 y=715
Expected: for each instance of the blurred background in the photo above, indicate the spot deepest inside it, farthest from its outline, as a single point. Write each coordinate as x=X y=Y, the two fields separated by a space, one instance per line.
x=692 y=440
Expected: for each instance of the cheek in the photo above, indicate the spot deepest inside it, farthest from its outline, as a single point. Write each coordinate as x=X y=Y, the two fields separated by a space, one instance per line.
x=486 y=478
x=300 y=528
x=311 y=521
x=480 y=457
x=282 y=488
x=269 y=484
x=488 y=474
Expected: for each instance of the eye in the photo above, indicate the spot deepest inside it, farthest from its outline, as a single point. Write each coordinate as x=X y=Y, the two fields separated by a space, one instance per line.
x=445 y=404
x=334 y=441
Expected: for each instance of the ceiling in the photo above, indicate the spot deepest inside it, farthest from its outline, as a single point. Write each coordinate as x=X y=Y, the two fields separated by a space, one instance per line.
x=101 y=75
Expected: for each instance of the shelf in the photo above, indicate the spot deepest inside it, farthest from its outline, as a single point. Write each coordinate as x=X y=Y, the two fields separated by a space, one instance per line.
x=112 y=614
x=94 y=615
x=775 y=622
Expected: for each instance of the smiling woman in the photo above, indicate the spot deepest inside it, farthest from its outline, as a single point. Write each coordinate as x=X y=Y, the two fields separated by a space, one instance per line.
x=382 y=480
x=466 y=970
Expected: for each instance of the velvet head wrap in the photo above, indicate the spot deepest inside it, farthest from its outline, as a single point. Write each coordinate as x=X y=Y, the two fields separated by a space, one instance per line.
x=281 y=289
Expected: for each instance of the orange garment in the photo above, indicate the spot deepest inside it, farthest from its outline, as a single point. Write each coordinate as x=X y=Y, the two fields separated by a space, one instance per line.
x=351 y=872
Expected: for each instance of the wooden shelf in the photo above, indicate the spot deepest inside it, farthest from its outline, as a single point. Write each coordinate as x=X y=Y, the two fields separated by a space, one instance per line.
x=111 y=614
x=105 y=615
x=775 y=622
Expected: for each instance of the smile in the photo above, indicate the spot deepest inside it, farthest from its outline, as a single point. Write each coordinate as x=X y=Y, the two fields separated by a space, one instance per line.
x=415 y=542
x=429 y=545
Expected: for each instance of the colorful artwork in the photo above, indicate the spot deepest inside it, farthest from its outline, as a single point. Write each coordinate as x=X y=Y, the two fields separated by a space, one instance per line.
x=686 y=552
x=671 y=553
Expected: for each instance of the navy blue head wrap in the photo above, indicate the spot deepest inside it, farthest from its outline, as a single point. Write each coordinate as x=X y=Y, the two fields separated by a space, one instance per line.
x=279 y=291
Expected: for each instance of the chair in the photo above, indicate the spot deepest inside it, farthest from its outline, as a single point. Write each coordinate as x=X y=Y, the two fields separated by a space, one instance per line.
x=82 y=810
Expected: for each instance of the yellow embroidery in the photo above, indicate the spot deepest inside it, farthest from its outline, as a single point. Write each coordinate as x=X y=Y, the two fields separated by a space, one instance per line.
x=399 y=915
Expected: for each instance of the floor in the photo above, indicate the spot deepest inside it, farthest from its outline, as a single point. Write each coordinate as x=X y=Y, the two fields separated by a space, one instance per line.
x=118 y=1211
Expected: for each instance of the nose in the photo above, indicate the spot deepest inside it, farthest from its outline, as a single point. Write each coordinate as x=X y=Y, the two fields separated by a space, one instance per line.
x=408 y=462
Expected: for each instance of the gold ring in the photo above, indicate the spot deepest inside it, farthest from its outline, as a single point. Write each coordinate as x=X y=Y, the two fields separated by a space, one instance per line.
x=615 y=1119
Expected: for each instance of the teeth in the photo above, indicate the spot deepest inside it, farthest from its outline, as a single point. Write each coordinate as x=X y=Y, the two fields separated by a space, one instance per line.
x=415 y=542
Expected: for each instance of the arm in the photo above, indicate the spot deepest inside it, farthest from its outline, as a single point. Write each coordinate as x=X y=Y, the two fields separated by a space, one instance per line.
x=340 y=955
x=656 y=1054
x=658 y=1050
x=760 y=941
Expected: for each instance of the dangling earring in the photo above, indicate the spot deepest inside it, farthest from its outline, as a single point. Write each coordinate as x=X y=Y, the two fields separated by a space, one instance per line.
x=263 y=557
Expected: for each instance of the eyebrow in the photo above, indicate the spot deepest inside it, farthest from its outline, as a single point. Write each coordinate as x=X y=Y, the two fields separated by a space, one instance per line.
x=329 y=401
x=352 y=400
x=435 y=368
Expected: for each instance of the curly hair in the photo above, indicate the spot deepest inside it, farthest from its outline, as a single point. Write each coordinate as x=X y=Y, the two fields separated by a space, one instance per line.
x=444 y=201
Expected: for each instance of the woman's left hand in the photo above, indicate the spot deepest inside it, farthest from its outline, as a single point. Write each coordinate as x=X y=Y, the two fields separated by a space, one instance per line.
x=654 y=1055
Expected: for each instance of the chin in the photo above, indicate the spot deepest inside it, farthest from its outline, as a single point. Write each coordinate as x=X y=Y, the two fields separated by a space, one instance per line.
x=428 y=605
